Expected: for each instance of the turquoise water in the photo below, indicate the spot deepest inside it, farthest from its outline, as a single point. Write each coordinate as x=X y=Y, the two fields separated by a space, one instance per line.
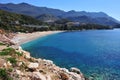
x=95 y=52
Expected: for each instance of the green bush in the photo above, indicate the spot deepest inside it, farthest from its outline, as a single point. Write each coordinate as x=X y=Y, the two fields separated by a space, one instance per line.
x=2 y=43
x=10 y=51
x=12 y=60
x=10 y=69
x=19 y=54
x=3 y=53
x=6 y=51
x=4 y=75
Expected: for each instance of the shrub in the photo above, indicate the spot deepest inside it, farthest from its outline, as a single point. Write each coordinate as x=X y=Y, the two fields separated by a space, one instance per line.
x=4 y=75
x=12 y=60
x=10 y=51
x=19 y=54
x=10 y=69
x=3 y=53
x=2 y=43
x=7 y=51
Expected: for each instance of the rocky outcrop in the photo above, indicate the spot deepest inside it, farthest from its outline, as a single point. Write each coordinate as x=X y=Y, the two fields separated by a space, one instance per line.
x=75 y=70
x=33 y=66
x=5 y=39
x=29 y=68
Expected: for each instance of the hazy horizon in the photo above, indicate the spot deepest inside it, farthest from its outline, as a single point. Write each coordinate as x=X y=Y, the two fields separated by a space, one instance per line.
x=109 y=7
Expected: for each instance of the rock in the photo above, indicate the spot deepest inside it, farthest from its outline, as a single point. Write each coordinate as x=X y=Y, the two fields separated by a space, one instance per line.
x=75 y=76
x=64 y=76
x=48 y=62
x=37 y=76
x=65 y=70
x=33 y=65
x=3 y=63
x=39 y=60
x=75 y=70
x=6 y=65
x=9 y=64
x=18 y=72
x=26 y=54
x=48 y=77
x=20 y=63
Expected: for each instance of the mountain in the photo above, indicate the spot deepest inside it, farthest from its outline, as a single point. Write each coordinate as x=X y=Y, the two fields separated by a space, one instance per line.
x=13 y=22
x=11 y=18
x=47 y=18
x=27 y=9
x=49 y=14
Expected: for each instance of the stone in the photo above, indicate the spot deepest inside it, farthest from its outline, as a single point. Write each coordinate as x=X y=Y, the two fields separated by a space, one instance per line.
x=9 y=64
x=20 y=63
x=33 y=65
x=2 y=63
x=48 y=77
x=64 y=76
x=27 y=55
x=65 y=70
x=18 y=72
x=37 y=76
x=48 y=61
x=75 y=70
x=75 y=76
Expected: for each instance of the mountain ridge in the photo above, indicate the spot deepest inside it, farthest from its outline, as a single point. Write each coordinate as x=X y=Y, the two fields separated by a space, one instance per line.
x=35 y=11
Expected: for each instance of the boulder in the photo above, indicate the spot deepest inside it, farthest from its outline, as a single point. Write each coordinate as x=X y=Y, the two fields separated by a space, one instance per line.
x=37 y=76
x=7 y=64
x=64 y=70
x=19 y=63
x=33 y=65
x=18 y=72
x=48 y=62
x=3 y=63
x=48 y=77
x=75 y=70
x=75 y=76
x=26 y=54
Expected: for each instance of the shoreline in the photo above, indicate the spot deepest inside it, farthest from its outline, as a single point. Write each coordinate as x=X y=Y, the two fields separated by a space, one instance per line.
x=28 y=67
x=21 y=38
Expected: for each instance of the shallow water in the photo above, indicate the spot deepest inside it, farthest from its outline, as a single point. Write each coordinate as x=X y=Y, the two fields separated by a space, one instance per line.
x=95 y=52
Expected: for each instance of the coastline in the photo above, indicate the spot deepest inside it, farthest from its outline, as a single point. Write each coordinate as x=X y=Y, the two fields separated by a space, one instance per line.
x=52 y=71
x=21 y=38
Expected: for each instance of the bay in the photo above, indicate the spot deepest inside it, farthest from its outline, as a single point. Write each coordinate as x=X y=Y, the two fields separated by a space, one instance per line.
x=95 y=52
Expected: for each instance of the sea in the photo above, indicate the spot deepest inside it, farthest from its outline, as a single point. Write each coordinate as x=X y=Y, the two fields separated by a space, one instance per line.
x=95 y=52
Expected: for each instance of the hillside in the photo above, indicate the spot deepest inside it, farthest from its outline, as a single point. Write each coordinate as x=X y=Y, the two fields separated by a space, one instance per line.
x=36 y=12
x=13 y=22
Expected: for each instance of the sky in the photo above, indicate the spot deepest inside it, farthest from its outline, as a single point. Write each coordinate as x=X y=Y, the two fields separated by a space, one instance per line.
x=111 y=7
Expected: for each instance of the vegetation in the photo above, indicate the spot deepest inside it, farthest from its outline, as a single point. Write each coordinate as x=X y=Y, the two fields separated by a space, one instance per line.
x=10 y=51
x=12 y=60
x=2 y=43
x=117 y=26
x=12 y=22
x=4 y=74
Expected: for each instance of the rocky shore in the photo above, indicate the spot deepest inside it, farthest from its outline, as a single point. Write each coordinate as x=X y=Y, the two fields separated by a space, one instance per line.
x=17 y=64
x=29 y=68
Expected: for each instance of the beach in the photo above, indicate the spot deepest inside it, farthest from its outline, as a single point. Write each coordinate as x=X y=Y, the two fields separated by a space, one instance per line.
x=21 y=38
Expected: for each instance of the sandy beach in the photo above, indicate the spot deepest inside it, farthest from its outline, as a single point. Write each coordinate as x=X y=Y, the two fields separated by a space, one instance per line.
x=21 y=38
